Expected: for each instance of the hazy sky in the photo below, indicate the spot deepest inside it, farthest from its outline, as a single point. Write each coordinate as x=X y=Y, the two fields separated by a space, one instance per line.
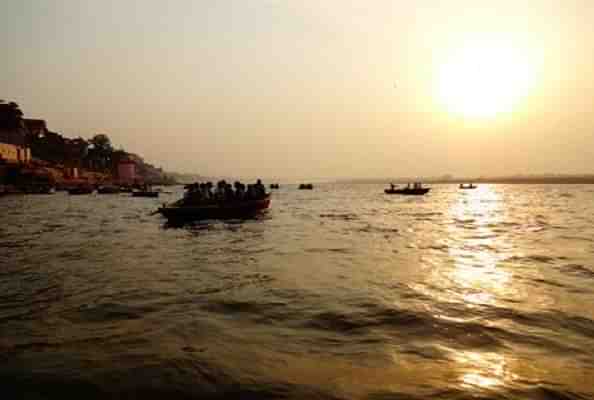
x=296 y=89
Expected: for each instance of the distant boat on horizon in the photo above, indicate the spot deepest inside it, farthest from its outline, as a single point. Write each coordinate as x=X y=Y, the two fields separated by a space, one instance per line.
x=416 y=189
x=467 y=186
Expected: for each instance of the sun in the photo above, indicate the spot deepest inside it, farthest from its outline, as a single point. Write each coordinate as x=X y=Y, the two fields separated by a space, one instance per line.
x=485 y=78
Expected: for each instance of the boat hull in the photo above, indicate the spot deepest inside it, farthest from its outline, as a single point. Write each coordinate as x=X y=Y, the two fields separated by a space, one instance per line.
x=408 y=192
x=74 y=192
x=145 y=194
x=234 y=210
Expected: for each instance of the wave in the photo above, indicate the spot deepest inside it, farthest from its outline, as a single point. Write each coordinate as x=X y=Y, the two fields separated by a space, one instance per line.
x=537 y=391
x=181 y=378
x=340 y=216
x=534 y=258
x=577 y=269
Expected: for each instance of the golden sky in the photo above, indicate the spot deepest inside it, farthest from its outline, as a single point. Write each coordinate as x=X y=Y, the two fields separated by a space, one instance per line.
x=295 y=89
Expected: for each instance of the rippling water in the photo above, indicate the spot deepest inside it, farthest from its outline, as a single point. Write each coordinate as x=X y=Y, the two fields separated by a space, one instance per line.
x=340 y=292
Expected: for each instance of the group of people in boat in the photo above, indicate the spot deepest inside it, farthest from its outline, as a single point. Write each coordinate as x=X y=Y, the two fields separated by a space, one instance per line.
x=205 y=192
x=414 y=186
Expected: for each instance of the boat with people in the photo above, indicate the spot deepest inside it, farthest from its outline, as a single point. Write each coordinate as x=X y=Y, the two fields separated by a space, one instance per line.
x=39 y=189
x=81 y=189
x=467 y=186
x=200 y=202
x=145 y=191
x=108 y=189
x=416 y=189
x=305 y=186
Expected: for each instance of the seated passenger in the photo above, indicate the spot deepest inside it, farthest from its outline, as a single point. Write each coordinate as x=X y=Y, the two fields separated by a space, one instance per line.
x=260 y=189
x=251 y=192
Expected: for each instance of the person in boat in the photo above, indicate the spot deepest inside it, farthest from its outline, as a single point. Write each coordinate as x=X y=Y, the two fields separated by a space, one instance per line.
x=260 y=189
x=251 y=192
x=219 y=193
x=229 y=194
x=239 y=191
x=392 y=186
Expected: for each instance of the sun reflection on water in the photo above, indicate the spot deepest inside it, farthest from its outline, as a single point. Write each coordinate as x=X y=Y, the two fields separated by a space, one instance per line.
x=476 y=248
x=482 y=370
x=475 y=276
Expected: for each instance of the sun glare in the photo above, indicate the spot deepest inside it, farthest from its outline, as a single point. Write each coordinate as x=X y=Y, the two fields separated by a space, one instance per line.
x=483 y=79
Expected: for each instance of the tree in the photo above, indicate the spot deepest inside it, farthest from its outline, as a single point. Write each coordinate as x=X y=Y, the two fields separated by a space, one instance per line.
x=10 y=115
x=102 y=144
x=99 y=157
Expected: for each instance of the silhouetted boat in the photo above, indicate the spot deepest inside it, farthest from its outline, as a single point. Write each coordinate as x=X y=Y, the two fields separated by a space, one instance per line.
x=225 y=210
x=469 y=186
x=274 y=186
x=143 y=193
x=306 y=186
x=415 y=190
x=108 y=189
x=39 y=189
x=145 y=190
x=81 y=190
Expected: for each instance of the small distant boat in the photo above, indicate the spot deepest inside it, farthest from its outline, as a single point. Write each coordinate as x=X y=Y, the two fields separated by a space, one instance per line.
x=108 y=189
x=306 y=186
x=467 y=186
x=81 y=190
x=177 y=212
x=39 y=189
x=415 y=190
x=274 y=186
x=145 y=191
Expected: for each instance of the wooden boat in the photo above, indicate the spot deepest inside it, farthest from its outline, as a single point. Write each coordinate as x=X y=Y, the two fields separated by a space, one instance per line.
x=469 y=186
x=415 y=190
x=306 y=186
x=228 y=210
x=39 y=189
x=108 y=189
x=145 y=193
x=81 y=190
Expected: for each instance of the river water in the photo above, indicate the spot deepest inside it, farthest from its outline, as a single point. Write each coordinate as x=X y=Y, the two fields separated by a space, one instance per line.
x=337 y=293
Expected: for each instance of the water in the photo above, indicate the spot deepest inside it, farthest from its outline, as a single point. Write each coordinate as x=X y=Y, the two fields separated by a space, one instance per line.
x=337 y=293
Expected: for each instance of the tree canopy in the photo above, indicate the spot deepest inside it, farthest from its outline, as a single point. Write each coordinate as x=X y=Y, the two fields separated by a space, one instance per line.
x=101 y=143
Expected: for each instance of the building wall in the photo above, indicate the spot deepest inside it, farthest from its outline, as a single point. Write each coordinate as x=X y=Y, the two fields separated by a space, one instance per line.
x=127 y=172
x=9 y=152
x=12 y=153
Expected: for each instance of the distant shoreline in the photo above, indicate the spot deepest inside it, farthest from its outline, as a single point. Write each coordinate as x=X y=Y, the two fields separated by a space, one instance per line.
x=562 y=180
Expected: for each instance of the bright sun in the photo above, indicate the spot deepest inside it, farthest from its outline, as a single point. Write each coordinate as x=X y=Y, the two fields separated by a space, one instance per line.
x=485 y=79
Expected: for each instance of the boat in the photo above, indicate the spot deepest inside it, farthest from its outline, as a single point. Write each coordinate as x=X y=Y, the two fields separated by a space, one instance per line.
x=108 y=189
x=224 y=210
x=467 y=186
x=145 y=191
x=305 y=186
x=274 y=186
x=415 y=190
x=39 y=189
x=81 y=190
